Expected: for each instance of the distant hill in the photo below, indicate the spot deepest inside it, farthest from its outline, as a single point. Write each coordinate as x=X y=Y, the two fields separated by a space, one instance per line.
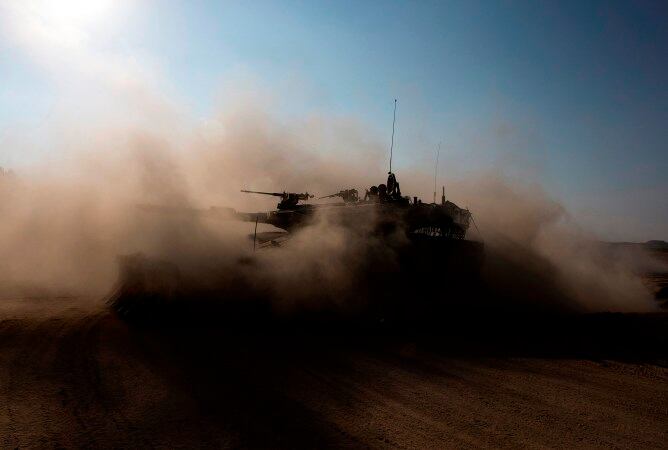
x=651 y=245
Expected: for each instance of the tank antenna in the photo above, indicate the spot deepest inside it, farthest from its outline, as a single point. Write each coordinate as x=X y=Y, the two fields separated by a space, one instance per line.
x=394 y=119
x=438 y=153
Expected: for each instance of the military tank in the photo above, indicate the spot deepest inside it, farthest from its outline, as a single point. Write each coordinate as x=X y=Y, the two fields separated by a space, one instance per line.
x=427 y=241
x=419 y=249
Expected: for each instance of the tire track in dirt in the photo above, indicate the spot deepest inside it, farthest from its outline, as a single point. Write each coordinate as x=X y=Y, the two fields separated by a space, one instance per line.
x=85 y=392
x=54 y=392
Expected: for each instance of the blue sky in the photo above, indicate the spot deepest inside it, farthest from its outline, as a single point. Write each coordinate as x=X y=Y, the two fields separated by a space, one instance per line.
x=571 y=94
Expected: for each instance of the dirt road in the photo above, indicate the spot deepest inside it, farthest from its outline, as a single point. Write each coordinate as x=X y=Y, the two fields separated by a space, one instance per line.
x=83 y=378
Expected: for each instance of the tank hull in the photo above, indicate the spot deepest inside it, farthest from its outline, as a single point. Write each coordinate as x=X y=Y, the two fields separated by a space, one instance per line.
x=424 y=277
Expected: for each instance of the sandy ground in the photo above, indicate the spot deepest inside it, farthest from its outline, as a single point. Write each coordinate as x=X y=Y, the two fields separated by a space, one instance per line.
x=78 y=377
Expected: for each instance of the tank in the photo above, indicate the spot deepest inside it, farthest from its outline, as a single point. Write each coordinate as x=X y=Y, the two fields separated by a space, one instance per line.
x=427 y=242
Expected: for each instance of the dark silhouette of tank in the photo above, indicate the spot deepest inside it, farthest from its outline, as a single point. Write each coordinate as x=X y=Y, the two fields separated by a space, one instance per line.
x=409 y=255
x=424 y=251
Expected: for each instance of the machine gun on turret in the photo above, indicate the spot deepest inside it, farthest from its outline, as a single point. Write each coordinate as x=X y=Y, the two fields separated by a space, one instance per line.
x=348 y=195
x=289 y=200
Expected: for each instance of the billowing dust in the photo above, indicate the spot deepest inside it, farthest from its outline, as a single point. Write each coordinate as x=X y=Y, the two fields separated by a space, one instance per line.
x=65 y=223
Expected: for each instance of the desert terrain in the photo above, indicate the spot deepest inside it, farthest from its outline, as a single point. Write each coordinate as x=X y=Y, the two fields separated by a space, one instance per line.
x=74 y=375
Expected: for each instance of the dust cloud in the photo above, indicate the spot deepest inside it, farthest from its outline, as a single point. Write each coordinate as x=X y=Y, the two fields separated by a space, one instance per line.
x=65 y=223
x=527 y=228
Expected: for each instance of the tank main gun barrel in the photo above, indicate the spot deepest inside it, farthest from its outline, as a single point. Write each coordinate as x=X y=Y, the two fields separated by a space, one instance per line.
x=285 y=195
x=275 y=194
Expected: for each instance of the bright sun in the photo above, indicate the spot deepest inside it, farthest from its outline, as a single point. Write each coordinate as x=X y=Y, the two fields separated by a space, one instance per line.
x=64 y=22
x=74 y=13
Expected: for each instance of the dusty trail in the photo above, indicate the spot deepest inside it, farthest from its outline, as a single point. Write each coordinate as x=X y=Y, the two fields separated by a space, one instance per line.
x=78 y=377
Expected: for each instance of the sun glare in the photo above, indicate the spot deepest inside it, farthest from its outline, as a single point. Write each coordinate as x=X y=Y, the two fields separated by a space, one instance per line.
x=68 y=22
x=74 y=12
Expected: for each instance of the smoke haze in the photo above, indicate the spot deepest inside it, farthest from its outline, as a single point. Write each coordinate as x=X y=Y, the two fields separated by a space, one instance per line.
x=65 y=223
